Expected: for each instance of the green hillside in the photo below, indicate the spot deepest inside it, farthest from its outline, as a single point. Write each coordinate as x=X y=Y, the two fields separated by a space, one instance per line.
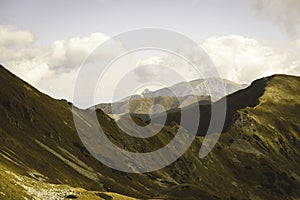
x=256 y=157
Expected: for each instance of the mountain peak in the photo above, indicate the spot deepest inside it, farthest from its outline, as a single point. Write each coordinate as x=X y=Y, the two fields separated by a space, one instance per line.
x=146 y=91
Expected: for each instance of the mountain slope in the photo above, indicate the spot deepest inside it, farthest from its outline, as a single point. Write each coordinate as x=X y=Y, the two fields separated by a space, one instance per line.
x=198 y=87
x=39 y=140
x=256 y=157
x=140 y=104
x=248 y=97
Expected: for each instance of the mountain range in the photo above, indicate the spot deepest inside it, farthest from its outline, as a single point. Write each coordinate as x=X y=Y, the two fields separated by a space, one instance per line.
x=256 y=157
x=176 y=96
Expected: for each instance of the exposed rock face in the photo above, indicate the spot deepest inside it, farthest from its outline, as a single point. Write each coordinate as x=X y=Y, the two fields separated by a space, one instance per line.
x=216 y=89
x=178 y=95
x=256 y=157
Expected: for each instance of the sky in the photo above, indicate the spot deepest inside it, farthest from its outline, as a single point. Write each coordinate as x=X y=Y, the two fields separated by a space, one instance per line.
x=45 y=42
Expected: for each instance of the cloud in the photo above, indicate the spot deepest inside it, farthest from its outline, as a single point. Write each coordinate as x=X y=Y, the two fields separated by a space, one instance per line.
x=19 y=54
x=284 y=12
x=189 y=62
x=46 y=68
x=236 y=58
x=71 y=53
x=53 y=69
x=244 y=60
x=15 y=38
x=172 y=68
x=297 y=44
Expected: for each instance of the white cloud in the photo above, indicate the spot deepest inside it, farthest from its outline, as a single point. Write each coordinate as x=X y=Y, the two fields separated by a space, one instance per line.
x=236 y=58
x=53 y=69
x=297 y=44
x=46 y=68
x=189 y=62
x=284 y=12
x=60 y=85
x=15 y=38
x=244 y=60
x=169 y=66
x=18 y=53
x=71 y=53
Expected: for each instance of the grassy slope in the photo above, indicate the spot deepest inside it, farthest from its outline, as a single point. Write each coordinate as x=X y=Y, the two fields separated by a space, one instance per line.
x=257 y=157
x=15 y=186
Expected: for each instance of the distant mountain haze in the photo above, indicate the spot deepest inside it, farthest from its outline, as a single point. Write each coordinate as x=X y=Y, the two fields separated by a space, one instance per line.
x=177 y=96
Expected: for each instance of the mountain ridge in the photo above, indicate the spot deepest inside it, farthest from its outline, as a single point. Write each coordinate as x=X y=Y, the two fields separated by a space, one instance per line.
x=256 y=157
x=178 y=95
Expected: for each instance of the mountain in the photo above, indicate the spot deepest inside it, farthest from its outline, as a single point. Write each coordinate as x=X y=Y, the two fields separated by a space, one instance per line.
x=185 y=91
x=143 y=105
x=256 y=157
x=39 y=142
x=199 y=87
x=248 y=97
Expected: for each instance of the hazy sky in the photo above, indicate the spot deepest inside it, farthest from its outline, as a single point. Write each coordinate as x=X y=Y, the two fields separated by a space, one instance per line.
x=56 y=19
x=44 y=42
